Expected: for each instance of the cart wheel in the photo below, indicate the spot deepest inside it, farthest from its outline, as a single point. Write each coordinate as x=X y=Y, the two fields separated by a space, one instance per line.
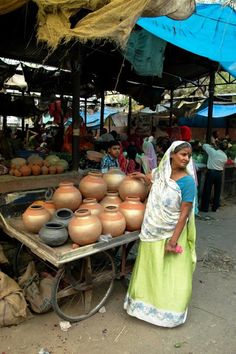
x=82 y=287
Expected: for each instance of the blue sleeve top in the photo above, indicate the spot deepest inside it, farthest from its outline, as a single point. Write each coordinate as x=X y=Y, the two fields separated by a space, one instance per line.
x=187 y=187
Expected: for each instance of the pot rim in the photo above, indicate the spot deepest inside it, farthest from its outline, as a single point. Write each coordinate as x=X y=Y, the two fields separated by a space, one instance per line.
x=54 y=225
x=111 y=208
x=82 y=212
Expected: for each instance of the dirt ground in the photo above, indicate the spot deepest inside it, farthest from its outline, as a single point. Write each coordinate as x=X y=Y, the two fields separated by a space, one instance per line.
x=210 y=326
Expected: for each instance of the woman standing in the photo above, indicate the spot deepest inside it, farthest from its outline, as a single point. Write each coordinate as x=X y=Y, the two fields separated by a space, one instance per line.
x=161 y=284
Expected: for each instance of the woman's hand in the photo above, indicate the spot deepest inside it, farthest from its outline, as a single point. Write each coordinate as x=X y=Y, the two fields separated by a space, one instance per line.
x=141 y=176
x=138 y=175
x=170 y=247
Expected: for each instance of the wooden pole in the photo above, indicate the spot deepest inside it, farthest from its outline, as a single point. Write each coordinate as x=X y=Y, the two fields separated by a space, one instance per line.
x=102 y=111
x=85 y=112
x=171 y=107
x=210 y=105
x=76 y=119
x=129 y=116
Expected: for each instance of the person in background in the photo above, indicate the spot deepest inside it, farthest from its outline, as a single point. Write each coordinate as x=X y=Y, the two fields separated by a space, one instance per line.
x=150 y=154
x=215 y=165
x=111 y=158
x=105 y=137
x=161 y=284
x=186 y=133
x=214 y=137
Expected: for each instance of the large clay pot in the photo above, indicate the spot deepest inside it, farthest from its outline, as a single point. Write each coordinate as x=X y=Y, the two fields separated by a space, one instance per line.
x=133 y=211
x=111 y=198
x=53 y=234
x=113 y=222
x=133 y=187
x=113 y=178
x=34 y=217
x=84 y=228
x=63 y=216
x=93 y=186
x=67 y=196
x=92 y=205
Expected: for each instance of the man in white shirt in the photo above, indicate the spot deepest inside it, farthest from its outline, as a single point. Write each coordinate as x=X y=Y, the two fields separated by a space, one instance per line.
x=215 y=165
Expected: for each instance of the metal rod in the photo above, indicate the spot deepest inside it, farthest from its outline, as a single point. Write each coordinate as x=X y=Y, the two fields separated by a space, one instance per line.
x=210 y=105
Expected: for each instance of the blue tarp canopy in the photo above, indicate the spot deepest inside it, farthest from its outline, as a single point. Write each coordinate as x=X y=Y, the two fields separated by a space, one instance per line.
x=209 y=32
x=221 y=114
x=93 y=120
x=219 y=110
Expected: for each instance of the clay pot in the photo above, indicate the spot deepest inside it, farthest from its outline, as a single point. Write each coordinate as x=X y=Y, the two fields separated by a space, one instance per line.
x=53 y=234
x=50 y=206
x=25 y=170
x=113 y=178
x=92 y=205
x=93 y=186
x=67 y=196
x=44 y=170
x=113 y=222
x=111 y=198
x=84 y=228
x=133 y=211
x=34 y=217
x=63 y=216
x=36 y=170
x=133 y=187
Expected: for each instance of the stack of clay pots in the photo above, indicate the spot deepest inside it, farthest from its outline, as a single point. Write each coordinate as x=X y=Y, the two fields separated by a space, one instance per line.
x=107 y=204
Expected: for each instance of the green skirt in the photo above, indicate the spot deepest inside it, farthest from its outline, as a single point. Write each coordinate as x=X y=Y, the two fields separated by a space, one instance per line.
x=161 y=284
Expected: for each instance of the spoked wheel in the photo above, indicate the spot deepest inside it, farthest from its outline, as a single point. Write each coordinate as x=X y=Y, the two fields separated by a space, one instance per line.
x=82 y=287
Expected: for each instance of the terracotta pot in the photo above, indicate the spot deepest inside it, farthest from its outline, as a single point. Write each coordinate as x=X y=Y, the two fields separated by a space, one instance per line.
x=63 y=216
x=133 y=211
x=92 y=205
x=111 y=198
x=84 y=228
x=133 y=187
x=53 y=234
x=50 y=206
x=67 y=196
x=44 y=170
x=36 y=170
x=25 y=170
x=34 y=217
x=113 y=178
x=93 y=186
x=113 y=222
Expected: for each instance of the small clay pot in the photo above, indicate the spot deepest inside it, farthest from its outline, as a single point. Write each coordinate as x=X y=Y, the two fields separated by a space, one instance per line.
x=53 y=234
x=63 y=216
x=92 y=205
x=111 y=198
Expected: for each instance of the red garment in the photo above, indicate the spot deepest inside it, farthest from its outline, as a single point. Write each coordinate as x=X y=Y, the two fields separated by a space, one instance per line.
x=174 y=133
x=186 y=133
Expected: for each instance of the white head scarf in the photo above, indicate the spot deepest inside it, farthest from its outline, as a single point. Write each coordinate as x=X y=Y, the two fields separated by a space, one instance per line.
x=163 y=206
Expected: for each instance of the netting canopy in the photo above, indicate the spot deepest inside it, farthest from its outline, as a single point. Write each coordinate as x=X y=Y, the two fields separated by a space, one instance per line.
x=105 y=19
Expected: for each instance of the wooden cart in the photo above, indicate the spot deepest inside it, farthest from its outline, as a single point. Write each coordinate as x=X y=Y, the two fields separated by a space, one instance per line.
x=84 y=276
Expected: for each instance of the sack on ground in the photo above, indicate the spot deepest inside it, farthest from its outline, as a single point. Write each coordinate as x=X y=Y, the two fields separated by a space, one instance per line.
x=37 y=291
x=13 y=307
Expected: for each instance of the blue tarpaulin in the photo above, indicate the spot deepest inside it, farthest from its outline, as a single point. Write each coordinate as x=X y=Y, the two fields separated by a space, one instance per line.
x=219 y=110
x=209 y=32
x=93 y=120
